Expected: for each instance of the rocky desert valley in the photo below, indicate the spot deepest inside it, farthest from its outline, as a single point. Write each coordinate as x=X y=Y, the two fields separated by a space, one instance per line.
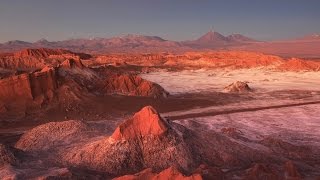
x=138 y=107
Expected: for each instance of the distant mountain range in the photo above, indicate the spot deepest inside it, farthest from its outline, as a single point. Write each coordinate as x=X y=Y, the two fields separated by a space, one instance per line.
x=308 y=46
x=216 y=40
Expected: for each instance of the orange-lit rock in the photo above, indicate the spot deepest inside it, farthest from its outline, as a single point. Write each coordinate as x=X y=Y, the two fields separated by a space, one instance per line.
x=40 y=53
x=29 y=86
x=295 y=64
x=195 y=60
x=145 y=122
x=170 y=173
x=135 y=147
x=34 y=59
x=71 y=63
x=133 y=85
x=238 y=87
x=16 y=87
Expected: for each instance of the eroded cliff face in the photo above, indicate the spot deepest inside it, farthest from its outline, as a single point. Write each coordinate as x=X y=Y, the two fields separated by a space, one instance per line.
x=15 y=87
x=32 y=59
x=295 y=64
x=62 y=82
x=28 y=86
x=29 y=63
x=40 y=53
x=213 y=60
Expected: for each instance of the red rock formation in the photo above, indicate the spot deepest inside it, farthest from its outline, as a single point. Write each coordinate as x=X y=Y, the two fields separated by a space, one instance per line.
x=238 y=87
x=211 y=59
x=10 y=62
x=145 y=122
x=15 y=87
x=33 y=59
x=28 y=86
x=40 y=53
x=133 y=85
x=43 y=83
x=134 y=147
x=71 y=63
x=169 y=174
x=295 y=64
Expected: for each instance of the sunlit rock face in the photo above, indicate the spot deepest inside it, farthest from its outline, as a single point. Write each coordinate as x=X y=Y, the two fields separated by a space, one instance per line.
x=145 y=140
x=29 y=86
x=133 y=85
x=40 y=53
x=170 y=173
x=144 y=123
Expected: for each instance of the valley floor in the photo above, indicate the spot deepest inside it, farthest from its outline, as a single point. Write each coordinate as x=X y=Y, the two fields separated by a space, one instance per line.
x=280 y=117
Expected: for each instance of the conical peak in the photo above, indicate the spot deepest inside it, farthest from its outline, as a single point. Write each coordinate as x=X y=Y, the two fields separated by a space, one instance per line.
x=145 y=122
x=212 y=36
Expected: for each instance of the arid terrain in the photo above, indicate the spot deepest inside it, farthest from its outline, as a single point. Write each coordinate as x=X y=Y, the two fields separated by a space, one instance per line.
x=191 y=113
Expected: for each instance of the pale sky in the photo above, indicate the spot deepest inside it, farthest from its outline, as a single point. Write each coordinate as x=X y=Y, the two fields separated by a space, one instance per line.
x=31 y=20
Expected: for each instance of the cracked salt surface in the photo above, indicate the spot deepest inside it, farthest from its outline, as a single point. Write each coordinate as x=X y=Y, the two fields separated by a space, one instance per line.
x=299 y=125
x=195 y=81
x=292 y=121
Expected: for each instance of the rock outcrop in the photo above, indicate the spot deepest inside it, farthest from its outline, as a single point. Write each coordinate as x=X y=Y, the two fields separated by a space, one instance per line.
x=34 y=59
x=132 y=85
x=295 y=64
x=50 y=135
x=25 y=64
x=133 y=147
x=7 y=156
x=238 y=87
x=145 y=122
x=40 y=53
x=29 y=86
x=72 y=63
x=171 y=174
